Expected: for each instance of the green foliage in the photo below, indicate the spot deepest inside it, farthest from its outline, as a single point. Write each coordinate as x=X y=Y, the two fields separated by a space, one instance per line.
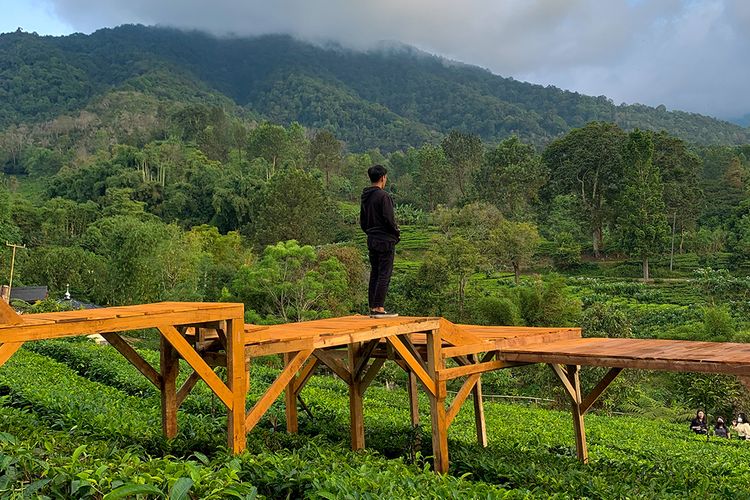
x=513 y=245
x=497 y=311
x=605 y=320
x=547 y=302
x=718 y=324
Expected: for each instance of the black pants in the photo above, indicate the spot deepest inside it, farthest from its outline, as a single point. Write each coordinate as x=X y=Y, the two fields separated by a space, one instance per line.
x=381 y=253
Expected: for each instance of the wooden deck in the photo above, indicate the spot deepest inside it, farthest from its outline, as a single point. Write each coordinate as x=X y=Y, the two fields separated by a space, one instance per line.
x=431 y=350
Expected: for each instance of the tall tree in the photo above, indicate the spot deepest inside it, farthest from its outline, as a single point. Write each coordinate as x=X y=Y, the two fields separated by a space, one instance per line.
x=513 y=244
x=641 y=221
x=326 y=154
x=433 y=176
x=681 y=174
x=587 y=162
x=510 y=177
x=464 y=153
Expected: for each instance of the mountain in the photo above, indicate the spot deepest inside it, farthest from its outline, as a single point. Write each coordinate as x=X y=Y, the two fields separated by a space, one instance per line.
x=391 y=98
x=743 y=121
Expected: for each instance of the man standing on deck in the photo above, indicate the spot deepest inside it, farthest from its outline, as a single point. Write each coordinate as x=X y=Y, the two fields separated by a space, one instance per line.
x=377 y=220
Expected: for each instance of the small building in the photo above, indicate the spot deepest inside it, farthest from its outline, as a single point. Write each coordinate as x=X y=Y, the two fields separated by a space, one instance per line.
x=29 y=294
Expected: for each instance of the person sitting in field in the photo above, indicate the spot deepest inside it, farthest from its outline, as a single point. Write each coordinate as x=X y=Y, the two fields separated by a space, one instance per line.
x=741 y=426
x=698 y=424
x=720 y=429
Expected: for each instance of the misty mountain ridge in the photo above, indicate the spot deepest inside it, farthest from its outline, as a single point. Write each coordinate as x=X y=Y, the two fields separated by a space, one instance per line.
x=392 y=96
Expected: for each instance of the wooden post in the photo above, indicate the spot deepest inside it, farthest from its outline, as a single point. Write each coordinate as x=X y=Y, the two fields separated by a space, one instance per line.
x=413 y=399
x=290 y=399
x=437 y=403
x=578 y=424
x=479 y=410
x=237 y=383
x=356 y=410
x=169 y=365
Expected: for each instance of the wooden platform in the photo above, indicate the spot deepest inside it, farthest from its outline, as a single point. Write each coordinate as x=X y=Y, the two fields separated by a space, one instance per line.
x=647 y=354
x=431 y=350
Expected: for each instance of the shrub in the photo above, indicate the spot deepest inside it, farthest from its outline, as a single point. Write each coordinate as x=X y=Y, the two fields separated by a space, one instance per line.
x=606 y=320
x=497 y=311
x=718 y=324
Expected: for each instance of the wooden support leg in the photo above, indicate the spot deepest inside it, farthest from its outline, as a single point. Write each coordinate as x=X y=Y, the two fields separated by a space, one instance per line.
x=437 y=403
x=413 y=399
x=290 y=399
x=7 y=350
x=237 y=384
x=356 y=411
x=578 y=424
x=170 y=367
x=479 y=409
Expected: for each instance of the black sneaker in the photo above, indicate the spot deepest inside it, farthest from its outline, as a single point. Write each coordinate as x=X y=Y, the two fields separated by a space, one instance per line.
x=383 y=314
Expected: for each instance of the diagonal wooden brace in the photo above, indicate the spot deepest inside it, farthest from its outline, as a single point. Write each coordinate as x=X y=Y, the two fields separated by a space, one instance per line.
x=458 y=401
x=276 y=388
x=143 y=366
x=414 y=364
x=8 y=349
x=197 y=363
x=334 y=364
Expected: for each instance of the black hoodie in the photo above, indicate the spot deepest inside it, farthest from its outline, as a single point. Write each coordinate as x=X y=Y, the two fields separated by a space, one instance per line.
x=376 y=216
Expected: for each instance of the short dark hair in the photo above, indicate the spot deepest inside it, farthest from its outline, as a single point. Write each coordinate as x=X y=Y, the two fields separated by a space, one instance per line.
x=376 y=172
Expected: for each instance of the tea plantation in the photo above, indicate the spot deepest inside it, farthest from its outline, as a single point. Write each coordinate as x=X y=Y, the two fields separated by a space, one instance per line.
x=79 y=422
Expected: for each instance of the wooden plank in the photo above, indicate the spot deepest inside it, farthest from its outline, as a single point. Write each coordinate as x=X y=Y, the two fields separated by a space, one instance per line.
x=413 y=350
x=458 y=401
x=334 y=364
x=372 y=372
x=8 y=349
x=305 y=373
x=170 y=367
x=437 y=404
x=275 y=389
x=198 y=364
x=356 y=410
x=187 y=386
x=597 y=391
x=413 y=399
x=237 y=382
x=26 y=332
x=414 y=365
x=470 y=369
x=135 y=359
x=290 y=399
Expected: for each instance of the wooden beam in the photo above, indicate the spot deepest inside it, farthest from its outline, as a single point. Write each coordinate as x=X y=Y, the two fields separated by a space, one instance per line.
x=471 y=369
x=356 y=410
x=290 y=399
x=458 y=401
x=413 y=350
x=364 y=357
x=563 y=376
x=8 y=316
x=169 y=365
x=237 y=380
x=199 y=365
x=187 y=386
x=8 y=349
x=275 y=389
x=132 y=355
x=455 y=335
x=414 y=364
x=86 y=326
x=597 y=391
x=479 y=421
x=334 y=364
x=305 y=373
x=578 y=424
x=371 y=373
x=437 y=404
x=413 y=399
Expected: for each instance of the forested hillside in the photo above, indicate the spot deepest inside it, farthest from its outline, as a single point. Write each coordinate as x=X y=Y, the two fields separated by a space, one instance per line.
x=390 y=98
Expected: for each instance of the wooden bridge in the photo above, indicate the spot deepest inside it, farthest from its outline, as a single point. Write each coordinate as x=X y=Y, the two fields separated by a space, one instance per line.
x=431 y=350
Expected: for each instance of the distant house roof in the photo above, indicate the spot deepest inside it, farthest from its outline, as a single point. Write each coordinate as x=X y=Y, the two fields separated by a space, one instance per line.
x=28 y=294
x=77 y=304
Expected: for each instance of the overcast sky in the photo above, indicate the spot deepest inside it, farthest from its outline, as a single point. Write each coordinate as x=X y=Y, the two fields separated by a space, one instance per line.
x=692 y=55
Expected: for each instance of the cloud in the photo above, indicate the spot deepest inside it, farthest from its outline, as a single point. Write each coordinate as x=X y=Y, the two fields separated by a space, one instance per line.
x=686 y=54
